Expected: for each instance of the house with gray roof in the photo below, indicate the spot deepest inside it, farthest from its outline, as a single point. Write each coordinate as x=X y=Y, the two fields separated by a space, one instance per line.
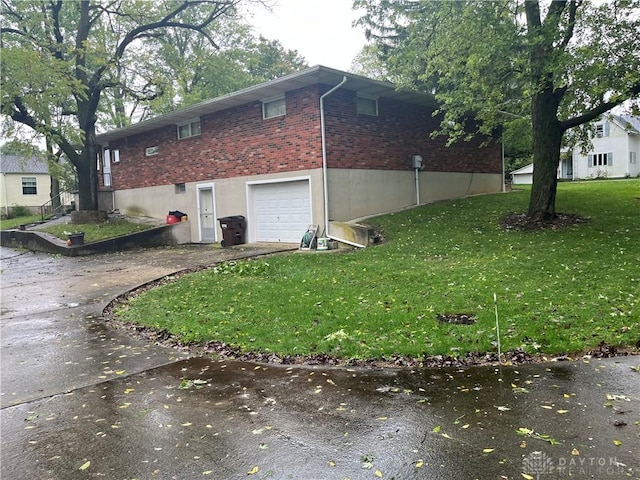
x=24 y=181
x=614 y=151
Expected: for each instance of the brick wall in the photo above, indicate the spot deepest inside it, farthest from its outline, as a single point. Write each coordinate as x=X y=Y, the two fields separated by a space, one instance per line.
x=234 y=142
x=399 y=131
x=238 y=142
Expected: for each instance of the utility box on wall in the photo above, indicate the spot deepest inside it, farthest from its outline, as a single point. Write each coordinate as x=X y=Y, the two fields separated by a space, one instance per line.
x=416 y=162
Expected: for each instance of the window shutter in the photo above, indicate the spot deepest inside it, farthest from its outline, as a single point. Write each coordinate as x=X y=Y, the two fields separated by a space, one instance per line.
x=606 y=128
x=610 y=159
x=590 y=159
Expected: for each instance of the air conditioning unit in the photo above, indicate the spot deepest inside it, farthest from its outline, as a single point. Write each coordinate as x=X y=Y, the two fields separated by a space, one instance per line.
x=416 y=162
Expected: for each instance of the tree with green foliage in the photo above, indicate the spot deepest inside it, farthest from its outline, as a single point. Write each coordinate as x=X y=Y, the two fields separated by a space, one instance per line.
x=194 y=71
x=563 y=63
x=60 y=57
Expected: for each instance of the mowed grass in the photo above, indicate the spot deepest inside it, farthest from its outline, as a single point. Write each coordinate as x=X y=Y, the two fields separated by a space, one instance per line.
x=97 y=231
x=92 y=231
x=9 y=223
x=557 y=291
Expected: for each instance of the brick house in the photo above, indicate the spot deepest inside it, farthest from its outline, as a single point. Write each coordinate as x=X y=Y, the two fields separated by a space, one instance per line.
x=314 y=147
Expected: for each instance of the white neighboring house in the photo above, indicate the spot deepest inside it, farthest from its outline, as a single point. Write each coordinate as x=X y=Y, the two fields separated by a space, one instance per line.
x=614 y=154
x=523 y=176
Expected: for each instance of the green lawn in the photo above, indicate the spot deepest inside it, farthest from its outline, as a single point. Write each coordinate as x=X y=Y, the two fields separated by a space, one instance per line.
x=97 y=231
x=92 y=232
x=557 y=291
x=10 y=223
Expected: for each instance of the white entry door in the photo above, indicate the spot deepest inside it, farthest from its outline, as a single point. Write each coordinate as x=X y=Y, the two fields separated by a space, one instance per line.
x=206 y=213
x=282 y=211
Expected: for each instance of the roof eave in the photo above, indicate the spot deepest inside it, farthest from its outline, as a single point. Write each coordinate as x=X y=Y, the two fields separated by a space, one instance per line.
x=311 y=76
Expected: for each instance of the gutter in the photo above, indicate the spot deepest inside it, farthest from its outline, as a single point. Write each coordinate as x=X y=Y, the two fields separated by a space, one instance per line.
x=325 y=186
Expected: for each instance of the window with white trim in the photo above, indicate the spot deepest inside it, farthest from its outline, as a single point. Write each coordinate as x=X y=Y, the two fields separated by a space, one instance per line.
x=180 y=188
x=600 y=159
x=275 y=107
x=366 y=105
x=189 y=129
x=602 y=130
x=29 y=186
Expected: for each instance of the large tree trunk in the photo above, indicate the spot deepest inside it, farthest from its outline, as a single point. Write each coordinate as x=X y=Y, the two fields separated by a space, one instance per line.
x=547 y=140
x=547 y=129
x=54 y=194
x=87 y=164
x=88 y=174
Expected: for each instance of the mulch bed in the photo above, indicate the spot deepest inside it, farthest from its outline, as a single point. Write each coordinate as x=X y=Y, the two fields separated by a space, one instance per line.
x=520 y=221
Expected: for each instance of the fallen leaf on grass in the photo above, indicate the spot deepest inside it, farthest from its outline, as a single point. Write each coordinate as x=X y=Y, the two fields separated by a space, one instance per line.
x=85 y=465
x=528 y=477
x=253 y=471
x=378 y=473
x=419 y=463
x=503 y=409
x=617 y=443
x=487 y=450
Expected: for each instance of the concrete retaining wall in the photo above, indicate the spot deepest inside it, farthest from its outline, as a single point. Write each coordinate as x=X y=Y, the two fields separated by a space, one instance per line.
x=175 y=234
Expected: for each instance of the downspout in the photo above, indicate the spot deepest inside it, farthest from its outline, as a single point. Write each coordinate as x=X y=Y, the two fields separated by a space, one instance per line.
x=324 y=165
x=417 y=187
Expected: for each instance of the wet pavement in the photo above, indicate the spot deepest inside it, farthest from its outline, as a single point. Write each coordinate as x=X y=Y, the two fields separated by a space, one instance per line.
x=80 y=400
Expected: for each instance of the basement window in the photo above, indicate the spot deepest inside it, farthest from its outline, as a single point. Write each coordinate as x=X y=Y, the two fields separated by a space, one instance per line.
x=188 y=129
x=366 y=105
x=150 y=151
x=275 y=107
x=180 y=188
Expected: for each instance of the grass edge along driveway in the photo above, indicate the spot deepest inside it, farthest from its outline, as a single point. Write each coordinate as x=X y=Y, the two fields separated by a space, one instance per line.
x=558 y=291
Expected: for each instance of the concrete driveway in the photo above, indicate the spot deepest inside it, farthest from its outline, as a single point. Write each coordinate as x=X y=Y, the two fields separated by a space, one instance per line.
x=80 y=400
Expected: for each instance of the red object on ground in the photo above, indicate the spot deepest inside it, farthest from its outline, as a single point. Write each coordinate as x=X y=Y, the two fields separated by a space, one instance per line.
x=172 y=219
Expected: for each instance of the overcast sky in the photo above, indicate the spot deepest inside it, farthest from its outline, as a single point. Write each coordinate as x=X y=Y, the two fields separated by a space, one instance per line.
x=320 y=30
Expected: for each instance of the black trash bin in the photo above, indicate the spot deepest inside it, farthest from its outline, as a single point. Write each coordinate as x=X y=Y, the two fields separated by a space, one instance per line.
x=233 y=229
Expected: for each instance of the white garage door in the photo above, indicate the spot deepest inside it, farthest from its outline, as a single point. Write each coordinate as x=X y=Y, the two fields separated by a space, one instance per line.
x=282 y=211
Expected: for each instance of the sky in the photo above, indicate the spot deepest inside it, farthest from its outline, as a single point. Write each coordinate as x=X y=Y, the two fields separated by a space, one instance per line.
x=320 y=30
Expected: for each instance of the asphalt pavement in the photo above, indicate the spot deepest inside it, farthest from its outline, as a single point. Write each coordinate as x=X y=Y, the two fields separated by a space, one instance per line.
x=82 y=400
